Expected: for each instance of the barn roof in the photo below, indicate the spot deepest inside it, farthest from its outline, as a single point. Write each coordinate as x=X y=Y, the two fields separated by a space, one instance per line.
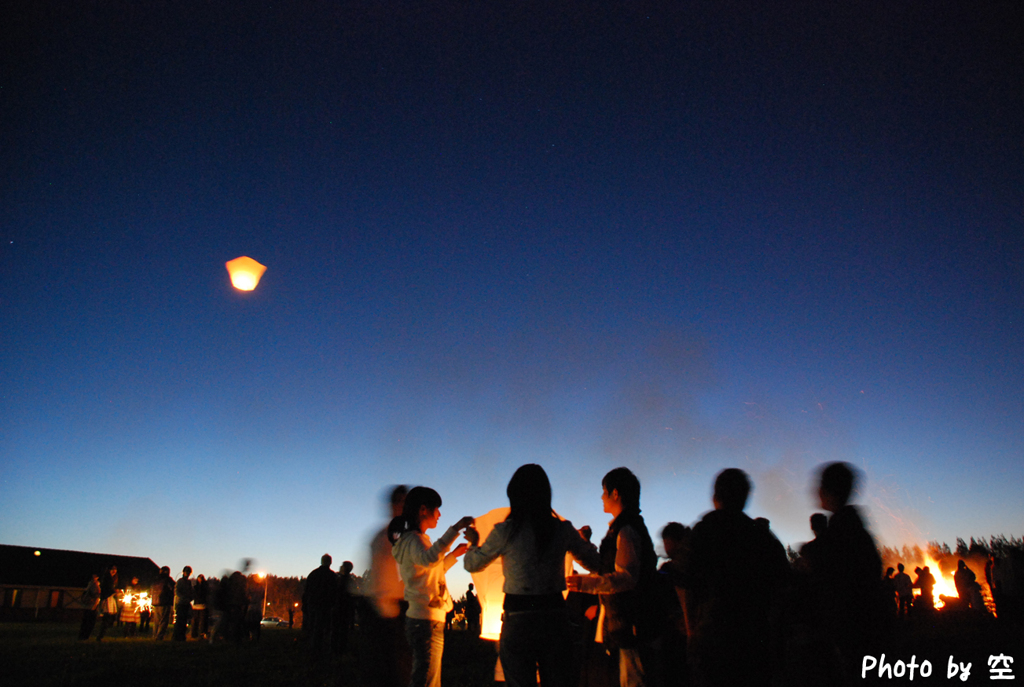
x=21 y=566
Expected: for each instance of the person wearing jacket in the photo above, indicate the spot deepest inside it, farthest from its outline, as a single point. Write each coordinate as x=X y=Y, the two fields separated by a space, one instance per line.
x=532 y=543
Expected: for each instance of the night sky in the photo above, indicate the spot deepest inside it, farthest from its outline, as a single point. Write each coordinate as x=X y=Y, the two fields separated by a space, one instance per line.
x=675 y=236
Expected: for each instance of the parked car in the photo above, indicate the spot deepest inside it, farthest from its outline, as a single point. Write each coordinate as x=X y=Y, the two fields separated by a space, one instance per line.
x=273 y=622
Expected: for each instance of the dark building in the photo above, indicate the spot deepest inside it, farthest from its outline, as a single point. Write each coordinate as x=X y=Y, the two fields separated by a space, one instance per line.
x=47 y=584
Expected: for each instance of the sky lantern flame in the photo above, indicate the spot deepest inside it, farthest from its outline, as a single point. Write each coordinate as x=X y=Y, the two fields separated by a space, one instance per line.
x=245 y=273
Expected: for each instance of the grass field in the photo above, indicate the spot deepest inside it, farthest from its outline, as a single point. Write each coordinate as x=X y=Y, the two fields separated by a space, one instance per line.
x=49 y=655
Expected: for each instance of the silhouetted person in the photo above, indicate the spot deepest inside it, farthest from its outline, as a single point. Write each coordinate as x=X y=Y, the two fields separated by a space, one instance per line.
x=926 y=583
x=108 y=601
x=382 y=621
x=963 y=578
x=344 y=610
x=131 y=611
x=849 y=576
x=472 y=611
x=162 y=595
x=90 y=604
x=904 y=591
x=183 y=595
x=317 y=604
x=532 y=543
x=200 y=609
x=810 y=553
x=732 y=574
x=675 y=538
x=892 y=603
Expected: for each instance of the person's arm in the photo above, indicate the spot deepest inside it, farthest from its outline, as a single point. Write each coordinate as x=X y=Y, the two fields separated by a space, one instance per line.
x=627 y=568
x=584 y=552
x=479 y=557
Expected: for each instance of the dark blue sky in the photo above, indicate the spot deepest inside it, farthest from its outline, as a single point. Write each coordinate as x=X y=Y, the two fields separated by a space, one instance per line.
x=673 y=236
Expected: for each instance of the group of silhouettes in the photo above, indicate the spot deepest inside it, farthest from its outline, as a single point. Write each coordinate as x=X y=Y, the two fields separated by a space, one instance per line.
x=720 y=611
x=181 y=607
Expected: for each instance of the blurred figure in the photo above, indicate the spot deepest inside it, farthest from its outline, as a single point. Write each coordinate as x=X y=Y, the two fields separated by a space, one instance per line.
x=889 y=588
x=130 y=609
x=422 y=566
x=108 y=608
x=162 y=596
x=732 y=575
x=382 y=613
x=849 y=575
x=675 y=539
x=904 y=591
x=810 y=552
x=90 y=602
x=200 y=610
x=344 y=610
x=532 y=543
x=183 y=595
x=318 y=603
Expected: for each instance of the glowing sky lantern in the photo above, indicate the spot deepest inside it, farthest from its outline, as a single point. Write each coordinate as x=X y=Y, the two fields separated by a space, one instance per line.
x=245 y=273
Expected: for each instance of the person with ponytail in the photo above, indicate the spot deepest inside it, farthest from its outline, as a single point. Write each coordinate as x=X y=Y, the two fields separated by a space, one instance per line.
x=532 y=543
x=422 y=566
x=628 y=561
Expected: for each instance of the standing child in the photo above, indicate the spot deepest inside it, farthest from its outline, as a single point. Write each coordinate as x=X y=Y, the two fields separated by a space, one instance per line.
x=422 y=566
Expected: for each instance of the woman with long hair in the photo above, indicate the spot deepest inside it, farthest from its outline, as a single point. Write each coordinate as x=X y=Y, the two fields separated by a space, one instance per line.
x=532 y=543
x=422 y=566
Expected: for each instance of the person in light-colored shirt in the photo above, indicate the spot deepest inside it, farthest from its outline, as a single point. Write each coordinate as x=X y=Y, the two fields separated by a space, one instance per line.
x=422 y=566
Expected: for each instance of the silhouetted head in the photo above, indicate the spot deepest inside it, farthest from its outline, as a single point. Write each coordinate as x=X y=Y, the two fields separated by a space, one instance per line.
x=346 y=567
x=186 y=571
x=889 y=572
x=165 y=570
x=732 y=487
x=819 y=523
x=899 y=567
x=675 y=537
x=529 y=493
x=628 y=486
x=396 y=499
x=960 y=565
x=325 y=560
x=835 y=485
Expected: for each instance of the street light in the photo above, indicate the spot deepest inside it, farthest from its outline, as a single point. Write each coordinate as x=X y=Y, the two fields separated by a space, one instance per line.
x=266 y=589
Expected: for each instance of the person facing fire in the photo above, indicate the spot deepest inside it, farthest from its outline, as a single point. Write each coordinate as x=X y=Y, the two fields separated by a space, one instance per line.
x=852 y=602
x=731 y=577
x=926 y=583
x=532 y=543
x=904 y=591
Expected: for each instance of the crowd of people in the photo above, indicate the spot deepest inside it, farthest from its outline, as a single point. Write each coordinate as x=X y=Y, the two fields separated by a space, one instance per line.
x=727 y=607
